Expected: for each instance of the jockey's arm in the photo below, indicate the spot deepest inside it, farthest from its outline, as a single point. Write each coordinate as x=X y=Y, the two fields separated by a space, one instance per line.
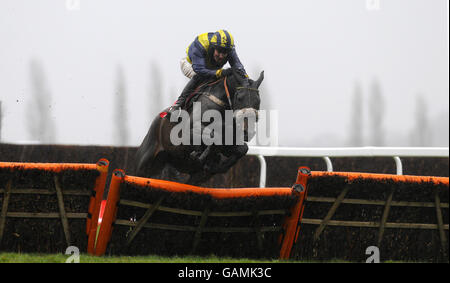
x=199 y=66
x=235 y=62
x=197 y=55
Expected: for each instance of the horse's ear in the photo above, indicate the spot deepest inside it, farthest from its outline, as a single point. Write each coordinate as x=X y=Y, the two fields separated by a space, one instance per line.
x=259 y=80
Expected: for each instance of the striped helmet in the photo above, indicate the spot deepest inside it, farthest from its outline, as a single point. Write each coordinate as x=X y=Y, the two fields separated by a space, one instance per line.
x=222 y=39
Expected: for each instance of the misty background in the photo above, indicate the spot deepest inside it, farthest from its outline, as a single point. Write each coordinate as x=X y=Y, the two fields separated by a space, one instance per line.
x=340 y=73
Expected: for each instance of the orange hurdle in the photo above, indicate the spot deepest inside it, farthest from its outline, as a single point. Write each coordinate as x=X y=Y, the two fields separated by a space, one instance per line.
x=292 y=223
x=397 y=178
x=215 y=192
x=109 y=215
x=97 y=194
x=94 y=204
x=119 y=177
x=54 y=167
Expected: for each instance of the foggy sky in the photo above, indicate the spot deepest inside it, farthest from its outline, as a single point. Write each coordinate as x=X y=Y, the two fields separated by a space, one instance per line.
x=313 y=53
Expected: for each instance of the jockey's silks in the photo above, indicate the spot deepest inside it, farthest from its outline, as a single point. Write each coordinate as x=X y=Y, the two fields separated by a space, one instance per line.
x=200 y=55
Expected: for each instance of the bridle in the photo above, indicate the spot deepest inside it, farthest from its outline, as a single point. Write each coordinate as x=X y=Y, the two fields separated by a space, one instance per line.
x=237 y=88
x=220 y=102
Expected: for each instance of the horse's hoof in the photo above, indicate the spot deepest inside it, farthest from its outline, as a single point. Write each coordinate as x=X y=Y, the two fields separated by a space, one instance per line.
x=194 y=155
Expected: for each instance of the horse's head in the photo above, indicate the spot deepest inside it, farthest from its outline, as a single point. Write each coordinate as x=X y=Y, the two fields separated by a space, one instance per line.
x=246 y=104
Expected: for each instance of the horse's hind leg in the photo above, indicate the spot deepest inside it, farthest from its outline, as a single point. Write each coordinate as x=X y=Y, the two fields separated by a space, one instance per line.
x=142 y=162
x=150 y=148
x=145 y=155
x=232 y=156
x=150 y=163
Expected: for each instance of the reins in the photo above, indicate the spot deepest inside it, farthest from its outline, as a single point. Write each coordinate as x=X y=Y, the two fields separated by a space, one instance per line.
x=217 y=100
x=227 y=92
x=211 y=96
x=237 y=88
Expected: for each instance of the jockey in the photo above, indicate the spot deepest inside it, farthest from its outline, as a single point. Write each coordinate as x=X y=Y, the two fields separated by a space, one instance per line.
x=205 y=58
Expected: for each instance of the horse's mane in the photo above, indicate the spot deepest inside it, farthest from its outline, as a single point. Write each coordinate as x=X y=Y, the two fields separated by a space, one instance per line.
x=209 y=86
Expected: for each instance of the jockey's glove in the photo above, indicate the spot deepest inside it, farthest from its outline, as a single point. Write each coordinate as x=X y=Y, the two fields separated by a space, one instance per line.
x=226 y=72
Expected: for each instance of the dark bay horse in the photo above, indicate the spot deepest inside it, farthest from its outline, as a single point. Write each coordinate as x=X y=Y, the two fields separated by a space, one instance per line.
x=200 y=160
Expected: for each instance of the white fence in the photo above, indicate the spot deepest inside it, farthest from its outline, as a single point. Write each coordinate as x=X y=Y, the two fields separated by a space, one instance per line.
x=395 y=152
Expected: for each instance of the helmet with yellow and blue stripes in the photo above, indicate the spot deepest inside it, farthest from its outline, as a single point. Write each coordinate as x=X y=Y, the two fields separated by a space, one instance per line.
x=222 y=40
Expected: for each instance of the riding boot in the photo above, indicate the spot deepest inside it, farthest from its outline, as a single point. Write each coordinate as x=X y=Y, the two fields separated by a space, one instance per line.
x=188 y=89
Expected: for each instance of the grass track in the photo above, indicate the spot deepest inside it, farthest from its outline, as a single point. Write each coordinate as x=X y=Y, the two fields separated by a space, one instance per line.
x=85 y=258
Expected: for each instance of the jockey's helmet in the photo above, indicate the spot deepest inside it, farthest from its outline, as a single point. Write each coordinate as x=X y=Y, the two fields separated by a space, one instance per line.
x=223 y=41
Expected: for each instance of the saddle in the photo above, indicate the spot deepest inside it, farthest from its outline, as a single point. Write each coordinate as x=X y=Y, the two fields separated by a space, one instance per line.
x=194 y=95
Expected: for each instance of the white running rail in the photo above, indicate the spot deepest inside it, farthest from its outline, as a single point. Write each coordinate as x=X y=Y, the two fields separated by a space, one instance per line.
x=327 y=152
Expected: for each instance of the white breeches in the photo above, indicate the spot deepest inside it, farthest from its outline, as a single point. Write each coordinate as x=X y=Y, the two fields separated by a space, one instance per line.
x=186 y=68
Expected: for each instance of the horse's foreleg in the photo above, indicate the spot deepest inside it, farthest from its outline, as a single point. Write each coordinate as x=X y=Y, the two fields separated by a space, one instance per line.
x=231 y=159
x=204 y=154
x=200 y=155
x=170 y=173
